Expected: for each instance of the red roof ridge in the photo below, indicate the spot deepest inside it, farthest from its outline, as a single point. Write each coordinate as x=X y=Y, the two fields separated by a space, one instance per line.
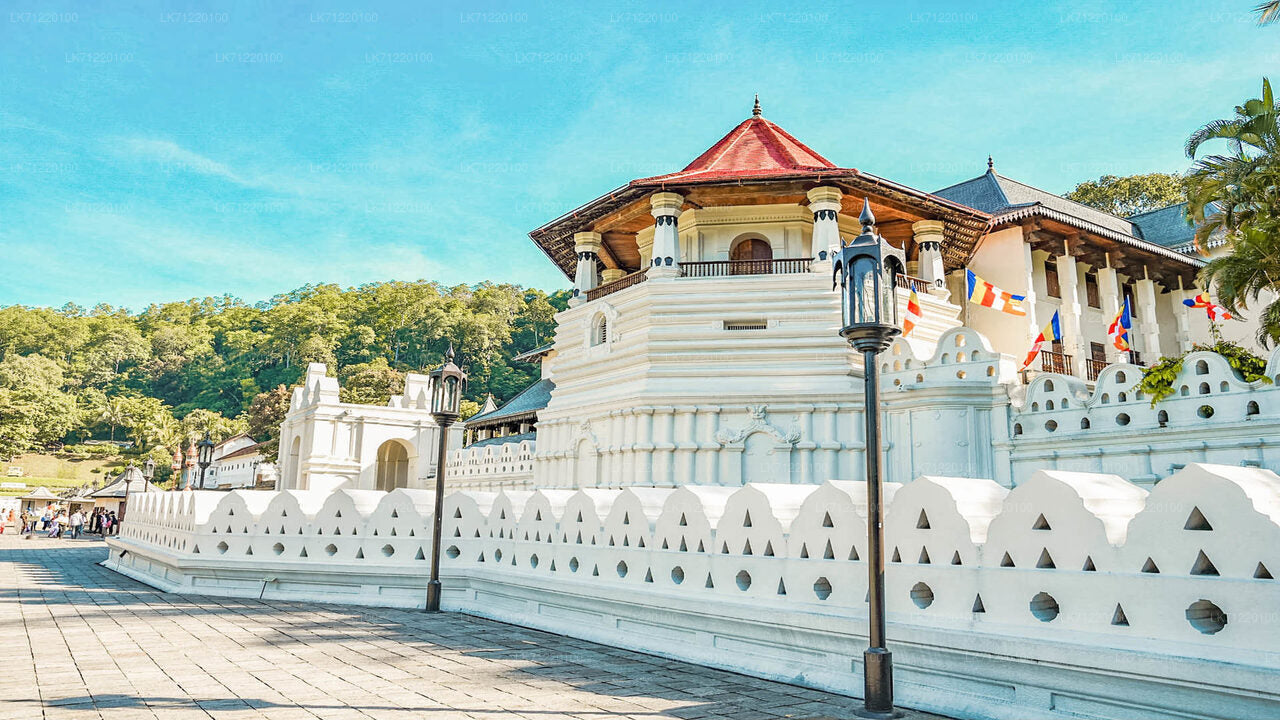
x=755 y=147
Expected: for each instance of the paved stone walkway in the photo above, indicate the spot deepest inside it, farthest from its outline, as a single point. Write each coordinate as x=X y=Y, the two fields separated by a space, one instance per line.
x=79 y=641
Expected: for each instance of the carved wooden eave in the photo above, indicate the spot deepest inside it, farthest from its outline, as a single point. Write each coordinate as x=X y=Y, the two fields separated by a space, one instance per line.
x=621 y=214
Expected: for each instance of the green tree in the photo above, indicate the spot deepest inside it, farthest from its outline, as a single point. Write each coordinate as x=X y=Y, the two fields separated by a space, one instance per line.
x=1242 y=276
x=265 y=414
x=1131 y=195
x=115 y=412
x=371 y=383
x=1239 y=189
x=1268 y=12
x=34 y=409
x=198 y=422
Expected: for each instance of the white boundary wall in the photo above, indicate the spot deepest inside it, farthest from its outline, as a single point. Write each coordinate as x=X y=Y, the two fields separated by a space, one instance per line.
x=1073 y=595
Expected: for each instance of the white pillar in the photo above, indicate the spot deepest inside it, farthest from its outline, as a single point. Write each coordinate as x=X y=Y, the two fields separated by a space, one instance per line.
x=665 y=207
x=1109 y=289
x=1180 y=312
x=1028 y=265
x=1147 y=320
x=1073 y=339
x=928 y=237
x=824 y=201
x=587 y=245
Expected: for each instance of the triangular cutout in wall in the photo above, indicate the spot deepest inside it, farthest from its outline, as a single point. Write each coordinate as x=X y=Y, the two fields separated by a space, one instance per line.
x=922 y=522
x=1006 y=561
x=709 y=583
x=829 y=553
x=955 y=558
x=1118 y=618
x=1262 y=573
x=1088 y=564
x=897 y=556
x=1196 y=521
x=1045 y=562
x=1041 y=523
x=1203 y=566
x=1150 y=566
x=978 y=607
x=826 y=520
x=768 y=549
x=782 y=588
x=746 y=519
x=420 y=556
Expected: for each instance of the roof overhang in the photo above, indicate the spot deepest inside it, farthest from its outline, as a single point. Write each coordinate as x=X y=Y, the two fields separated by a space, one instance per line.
x=962 y=225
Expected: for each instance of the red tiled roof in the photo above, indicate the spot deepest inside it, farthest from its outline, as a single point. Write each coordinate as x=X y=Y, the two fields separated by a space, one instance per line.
x=755 y=148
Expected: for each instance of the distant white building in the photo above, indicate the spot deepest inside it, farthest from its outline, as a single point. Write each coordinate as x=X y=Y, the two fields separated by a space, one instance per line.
x=239 y=462
x=326 y=444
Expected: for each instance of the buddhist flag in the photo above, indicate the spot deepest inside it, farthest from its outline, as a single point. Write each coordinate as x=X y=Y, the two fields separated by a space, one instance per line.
x=1051 y=332
x=1215 y=312
x=913 y=314
x=1119 y=328
x=985 y=294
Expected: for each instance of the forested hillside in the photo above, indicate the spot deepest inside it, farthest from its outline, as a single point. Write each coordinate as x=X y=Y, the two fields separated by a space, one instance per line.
x=161 y=375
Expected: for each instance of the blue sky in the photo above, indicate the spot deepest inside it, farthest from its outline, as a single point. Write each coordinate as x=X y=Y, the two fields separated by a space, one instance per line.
x=153 y=152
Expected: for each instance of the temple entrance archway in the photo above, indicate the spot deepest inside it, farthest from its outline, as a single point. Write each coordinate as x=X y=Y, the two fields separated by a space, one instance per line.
x=393 y=465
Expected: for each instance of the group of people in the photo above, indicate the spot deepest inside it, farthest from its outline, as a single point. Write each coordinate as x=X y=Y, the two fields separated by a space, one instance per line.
x=59 y=524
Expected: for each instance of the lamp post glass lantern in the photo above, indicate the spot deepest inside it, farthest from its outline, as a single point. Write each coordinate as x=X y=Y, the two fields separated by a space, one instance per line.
x=866 y=272
x=149 y=469
x=204 y=450
x=447 y=384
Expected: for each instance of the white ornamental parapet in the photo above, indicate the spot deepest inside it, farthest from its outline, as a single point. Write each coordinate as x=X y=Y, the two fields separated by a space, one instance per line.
x=1190 y=562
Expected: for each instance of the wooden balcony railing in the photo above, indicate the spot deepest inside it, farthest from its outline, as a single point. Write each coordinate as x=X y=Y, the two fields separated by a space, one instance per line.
x=621 y=283
x=920 y=285
x=725 y=268
x=1093 y=368
x=1055 y=362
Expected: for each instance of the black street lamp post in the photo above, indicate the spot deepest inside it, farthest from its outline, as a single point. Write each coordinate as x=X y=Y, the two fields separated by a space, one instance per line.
x=447 y=384
x=205 y=454
x=866 y=271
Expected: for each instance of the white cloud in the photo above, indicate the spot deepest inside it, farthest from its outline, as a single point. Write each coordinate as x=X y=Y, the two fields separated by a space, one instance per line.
x=175 y=157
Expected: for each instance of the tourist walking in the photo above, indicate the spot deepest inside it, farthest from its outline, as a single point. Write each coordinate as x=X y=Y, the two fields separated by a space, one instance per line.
x=77 y=524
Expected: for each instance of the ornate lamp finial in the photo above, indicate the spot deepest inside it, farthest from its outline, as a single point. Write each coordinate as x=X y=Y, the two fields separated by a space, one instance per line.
x=991 y=165
x=755 y=111
x=867 y=218
x=448 y=355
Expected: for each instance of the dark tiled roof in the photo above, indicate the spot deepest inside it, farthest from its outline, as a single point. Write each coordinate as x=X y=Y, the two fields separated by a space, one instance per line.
x=1010 y=201
x=1167 y=226
x=995 y=194
x=502 y=440
x=530 y=400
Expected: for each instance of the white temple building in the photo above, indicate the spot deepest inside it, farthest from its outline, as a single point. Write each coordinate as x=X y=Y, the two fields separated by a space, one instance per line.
x=685 y=478
x=701 y=345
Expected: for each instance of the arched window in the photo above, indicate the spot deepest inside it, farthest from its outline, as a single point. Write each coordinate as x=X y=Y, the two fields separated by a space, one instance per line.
x=600 y=330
